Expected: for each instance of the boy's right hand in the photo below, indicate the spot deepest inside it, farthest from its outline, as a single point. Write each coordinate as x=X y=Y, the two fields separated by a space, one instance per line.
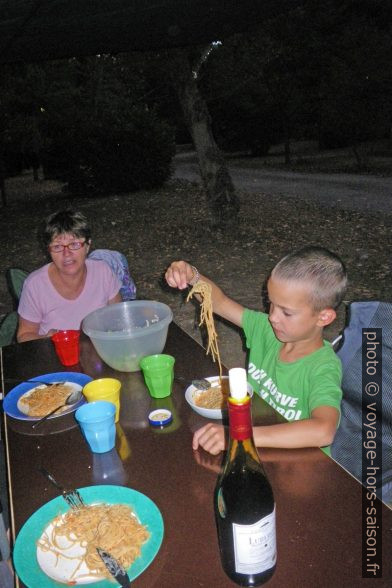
x=211 y=438
x=179 y=274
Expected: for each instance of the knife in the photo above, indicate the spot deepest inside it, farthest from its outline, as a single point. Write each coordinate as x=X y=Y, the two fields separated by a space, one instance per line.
x=115 y=568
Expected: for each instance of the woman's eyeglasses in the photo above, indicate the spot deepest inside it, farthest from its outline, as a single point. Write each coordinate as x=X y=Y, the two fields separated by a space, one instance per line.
x=73 y=246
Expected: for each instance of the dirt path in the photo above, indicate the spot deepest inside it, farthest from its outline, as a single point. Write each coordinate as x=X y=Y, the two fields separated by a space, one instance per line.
x=347 y=191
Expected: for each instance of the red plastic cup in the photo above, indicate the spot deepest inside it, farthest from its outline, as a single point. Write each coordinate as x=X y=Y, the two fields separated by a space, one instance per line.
x=66 y=344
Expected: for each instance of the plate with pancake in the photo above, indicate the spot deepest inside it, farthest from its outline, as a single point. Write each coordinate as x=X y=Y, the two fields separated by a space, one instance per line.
x=31 y=400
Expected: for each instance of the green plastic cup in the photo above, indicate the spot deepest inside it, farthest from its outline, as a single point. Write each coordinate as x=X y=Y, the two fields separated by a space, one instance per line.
x=158 y=371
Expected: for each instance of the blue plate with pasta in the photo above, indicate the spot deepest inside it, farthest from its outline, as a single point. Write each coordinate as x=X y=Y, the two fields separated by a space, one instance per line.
x=30 y=560
x=16 y=405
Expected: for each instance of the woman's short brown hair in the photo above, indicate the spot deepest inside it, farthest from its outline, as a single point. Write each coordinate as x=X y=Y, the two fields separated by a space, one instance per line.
x=66 y=221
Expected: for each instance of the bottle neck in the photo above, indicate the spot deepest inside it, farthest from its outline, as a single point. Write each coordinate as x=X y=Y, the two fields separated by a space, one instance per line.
x=241 y=434
x=240 y=419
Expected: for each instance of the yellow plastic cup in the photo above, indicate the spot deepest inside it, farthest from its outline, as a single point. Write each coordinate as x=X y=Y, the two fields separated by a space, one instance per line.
x=104 y=389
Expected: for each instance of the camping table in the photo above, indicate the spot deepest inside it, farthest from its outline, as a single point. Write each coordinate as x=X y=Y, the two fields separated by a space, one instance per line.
x=318 y=503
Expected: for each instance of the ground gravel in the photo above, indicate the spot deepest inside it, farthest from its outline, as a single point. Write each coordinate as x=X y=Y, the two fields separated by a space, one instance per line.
x=155 y=227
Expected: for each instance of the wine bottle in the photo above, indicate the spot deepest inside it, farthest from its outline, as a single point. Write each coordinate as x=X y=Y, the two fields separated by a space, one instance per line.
x=243 y=501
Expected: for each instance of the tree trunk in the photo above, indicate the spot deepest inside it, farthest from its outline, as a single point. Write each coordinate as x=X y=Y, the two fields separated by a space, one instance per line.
x=359 y=159
x=221 y=195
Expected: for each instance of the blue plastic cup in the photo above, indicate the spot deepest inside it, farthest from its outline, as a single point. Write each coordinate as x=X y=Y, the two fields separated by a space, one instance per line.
x=96 y=420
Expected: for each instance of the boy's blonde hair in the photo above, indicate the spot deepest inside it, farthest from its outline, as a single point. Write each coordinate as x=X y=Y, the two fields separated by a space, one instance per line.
x=322 y=269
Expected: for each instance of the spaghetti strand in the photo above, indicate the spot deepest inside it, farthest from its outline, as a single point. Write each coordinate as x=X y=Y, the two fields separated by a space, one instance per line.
x=113 y=527
x=207 y=319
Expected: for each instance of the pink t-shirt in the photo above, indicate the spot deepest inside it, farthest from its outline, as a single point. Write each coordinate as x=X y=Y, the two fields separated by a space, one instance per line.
x=41 y=303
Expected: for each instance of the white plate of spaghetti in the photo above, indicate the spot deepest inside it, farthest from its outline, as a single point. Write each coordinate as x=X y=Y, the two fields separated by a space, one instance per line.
x=211 y=403
x=32 y=400
x=125 y=522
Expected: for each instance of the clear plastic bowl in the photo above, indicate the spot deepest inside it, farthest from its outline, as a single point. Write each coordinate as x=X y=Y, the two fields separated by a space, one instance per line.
x=123 y=333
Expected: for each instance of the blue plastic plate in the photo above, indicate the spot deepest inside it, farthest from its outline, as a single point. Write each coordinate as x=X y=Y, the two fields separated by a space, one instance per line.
x=10 y=403
x=25 y=549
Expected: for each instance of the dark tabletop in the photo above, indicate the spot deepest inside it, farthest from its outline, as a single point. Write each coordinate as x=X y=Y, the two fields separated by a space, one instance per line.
x=318 y=504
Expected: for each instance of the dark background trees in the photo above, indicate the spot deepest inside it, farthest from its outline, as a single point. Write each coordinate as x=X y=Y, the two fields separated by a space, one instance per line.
x=94 y=130
x=323 y=71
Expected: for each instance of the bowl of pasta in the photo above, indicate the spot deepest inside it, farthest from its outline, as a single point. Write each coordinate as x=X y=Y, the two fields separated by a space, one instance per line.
x=211 y=403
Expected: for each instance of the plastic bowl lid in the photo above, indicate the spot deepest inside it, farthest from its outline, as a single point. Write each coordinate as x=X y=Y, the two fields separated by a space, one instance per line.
x=160 y=417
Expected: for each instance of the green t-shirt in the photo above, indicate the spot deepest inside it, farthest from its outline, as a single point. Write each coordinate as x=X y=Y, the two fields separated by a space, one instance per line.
x=295 y=388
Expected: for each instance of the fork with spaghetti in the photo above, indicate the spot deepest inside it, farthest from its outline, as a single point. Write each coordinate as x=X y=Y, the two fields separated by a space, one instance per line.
x=71 y=496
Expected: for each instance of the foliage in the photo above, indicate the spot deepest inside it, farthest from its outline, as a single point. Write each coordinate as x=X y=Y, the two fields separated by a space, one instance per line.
x=96 y=131
x=103 y=157
x=125 y=158
x=115 y=142
x=321 y=71
x=356 y=90
x=18 y=122
x=255 y=84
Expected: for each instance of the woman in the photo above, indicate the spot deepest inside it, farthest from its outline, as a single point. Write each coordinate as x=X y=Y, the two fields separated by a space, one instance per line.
x=61 y=293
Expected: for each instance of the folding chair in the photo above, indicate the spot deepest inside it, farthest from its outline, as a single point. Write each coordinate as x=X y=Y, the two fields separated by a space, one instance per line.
x=8 y=327
x=346 y=448
x=15 y=279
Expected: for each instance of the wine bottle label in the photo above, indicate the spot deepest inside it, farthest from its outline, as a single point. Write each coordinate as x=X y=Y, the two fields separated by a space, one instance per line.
x=255 y=545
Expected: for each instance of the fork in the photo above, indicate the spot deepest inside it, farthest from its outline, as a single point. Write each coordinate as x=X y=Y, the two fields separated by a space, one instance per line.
x=16 y=381
x=71 y=496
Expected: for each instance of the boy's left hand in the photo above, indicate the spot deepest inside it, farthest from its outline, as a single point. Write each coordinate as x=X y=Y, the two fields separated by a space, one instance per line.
x=211 y=437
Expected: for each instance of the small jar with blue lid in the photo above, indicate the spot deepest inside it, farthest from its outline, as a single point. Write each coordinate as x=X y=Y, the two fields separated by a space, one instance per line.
x=161 y=417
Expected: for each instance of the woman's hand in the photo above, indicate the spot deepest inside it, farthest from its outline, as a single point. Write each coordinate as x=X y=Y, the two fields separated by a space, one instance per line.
x=27 y=331
x=179 y=274
x=211 y=437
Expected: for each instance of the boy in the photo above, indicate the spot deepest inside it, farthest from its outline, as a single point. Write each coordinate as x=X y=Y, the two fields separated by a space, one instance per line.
x=290 y=365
